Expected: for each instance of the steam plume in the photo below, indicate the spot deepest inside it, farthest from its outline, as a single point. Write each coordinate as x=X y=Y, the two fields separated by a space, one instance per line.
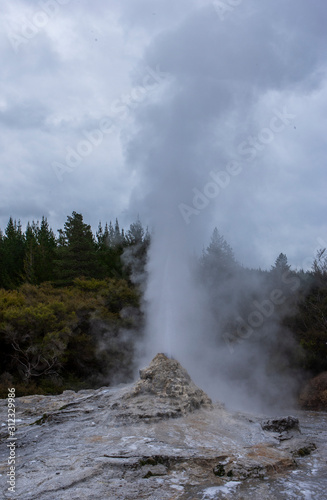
x=215 y=94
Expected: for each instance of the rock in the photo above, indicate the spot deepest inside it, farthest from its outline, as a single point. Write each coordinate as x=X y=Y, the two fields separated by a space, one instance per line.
x=314 y=394
x=120 y=443
x=166 y=387
x=280 y=425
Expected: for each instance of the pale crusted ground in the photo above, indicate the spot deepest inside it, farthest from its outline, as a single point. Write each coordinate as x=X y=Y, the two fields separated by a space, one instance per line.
x=127 y=443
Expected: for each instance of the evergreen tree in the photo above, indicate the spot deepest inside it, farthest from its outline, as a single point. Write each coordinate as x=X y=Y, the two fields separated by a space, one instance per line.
x=118 y=239
x=319 y=267
x=218 y=259
x=135 y=254
x=13 y=247
x=45 y=254
x=100 y=236
x=77 y=252
x=30 y=252
x=111 y=235
x=110 y=245
x=2 y=269
x=280 y=276
x=281 y=265
x=136 y=234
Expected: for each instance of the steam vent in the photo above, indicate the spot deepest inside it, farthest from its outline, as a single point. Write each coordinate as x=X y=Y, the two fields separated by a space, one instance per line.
x=165 y=390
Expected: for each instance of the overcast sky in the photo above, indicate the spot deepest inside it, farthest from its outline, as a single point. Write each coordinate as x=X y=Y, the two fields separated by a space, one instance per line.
x=213 y=113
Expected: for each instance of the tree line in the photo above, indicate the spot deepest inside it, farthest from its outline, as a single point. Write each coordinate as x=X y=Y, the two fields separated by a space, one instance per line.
x=69 y=310
x=37 y=255
x=71 y=316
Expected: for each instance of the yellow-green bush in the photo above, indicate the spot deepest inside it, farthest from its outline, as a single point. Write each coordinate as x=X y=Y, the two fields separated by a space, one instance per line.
x=49 y=333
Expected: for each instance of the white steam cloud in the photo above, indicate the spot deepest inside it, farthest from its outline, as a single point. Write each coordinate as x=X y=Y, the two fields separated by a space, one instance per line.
x=223 y=107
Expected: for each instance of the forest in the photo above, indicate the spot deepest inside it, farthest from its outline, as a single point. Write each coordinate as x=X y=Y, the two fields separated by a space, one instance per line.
x=71 y=314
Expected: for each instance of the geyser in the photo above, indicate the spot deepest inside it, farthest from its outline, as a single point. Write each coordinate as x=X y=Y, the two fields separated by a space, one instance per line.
x=185 y=135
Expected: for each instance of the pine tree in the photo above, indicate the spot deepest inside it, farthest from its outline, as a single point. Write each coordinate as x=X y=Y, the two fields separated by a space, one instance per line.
x=135 y=234
x=135 y=253
x=111 y=235
x=30 y=252
x=45 y=254
x=110 y=245
x=13 y=255
x=100 y=235
x=218 y=259
x=319 y=267
x=77 y=253
x=118 y=235
x=281 y=265
x=2 y=270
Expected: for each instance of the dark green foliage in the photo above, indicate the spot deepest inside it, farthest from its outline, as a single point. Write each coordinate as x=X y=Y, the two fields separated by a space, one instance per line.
x=27 y=257
x=39 y=250
x=45 y=253
x=110 y=247
x=37 y=256
x=309 y=324
x=12 y=255
x=319 y=268
x=76 y=253
x=30 y=252
x=2 y=262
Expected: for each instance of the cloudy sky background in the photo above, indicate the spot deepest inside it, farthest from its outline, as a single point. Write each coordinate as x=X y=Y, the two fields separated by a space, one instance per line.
x=168 y=92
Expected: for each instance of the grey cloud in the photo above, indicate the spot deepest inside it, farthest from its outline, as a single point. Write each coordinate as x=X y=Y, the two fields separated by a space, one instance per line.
x=265 y=50
x=24 y=115
x=154 y=15
x=219 y=76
